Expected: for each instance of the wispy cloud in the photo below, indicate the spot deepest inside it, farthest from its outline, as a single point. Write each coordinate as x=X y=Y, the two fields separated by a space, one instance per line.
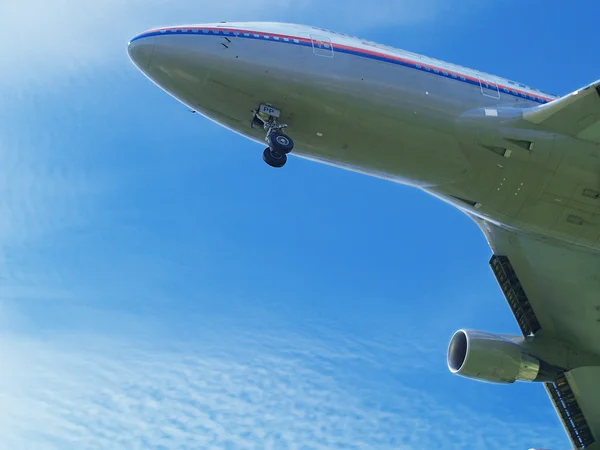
x=66 y=37
x=44 y=188
x=82 y=391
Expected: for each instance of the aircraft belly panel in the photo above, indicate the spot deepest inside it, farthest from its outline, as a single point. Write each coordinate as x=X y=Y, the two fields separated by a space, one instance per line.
x=382 y=118
x=355 y=111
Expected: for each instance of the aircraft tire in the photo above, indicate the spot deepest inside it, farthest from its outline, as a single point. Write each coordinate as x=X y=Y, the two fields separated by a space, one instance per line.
x=281 y=142
x=274 y=158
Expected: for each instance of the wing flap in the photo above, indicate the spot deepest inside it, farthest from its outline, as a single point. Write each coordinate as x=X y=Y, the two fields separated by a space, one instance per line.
x=566 y=404
x=585 y=384
x=576 y=114
x=554 y=288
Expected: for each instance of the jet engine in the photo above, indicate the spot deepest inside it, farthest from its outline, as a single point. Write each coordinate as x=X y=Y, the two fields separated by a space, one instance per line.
x=496 y=359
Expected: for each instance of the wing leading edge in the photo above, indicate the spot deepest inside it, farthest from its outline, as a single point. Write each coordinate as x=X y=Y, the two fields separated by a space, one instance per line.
x=576 y=114
x=555 y=289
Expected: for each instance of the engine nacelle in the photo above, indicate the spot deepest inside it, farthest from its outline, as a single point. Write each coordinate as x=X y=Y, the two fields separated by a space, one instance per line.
x=496 y=359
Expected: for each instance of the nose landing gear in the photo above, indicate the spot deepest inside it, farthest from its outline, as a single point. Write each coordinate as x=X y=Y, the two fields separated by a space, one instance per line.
x=280 y=144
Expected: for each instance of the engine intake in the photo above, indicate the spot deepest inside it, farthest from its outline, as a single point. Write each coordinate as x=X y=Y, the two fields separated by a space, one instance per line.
x=496 y=359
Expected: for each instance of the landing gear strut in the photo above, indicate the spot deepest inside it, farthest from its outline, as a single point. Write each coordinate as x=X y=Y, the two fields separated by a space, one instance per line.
x=280 y=144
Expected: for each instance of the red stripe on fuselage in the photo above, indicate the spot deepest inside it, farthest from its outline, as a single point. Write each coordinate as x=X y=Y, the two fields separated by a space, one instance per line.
x=363 y=51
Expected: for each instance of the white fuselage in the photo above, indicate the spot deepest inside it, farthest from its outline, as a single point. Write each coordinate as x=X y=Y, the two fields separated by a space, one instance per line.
x=452 y=131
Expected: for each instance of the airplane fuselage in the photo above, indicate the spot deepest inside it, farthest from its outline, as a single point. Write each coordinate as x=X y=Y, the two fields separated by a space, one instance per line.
x=451 y=131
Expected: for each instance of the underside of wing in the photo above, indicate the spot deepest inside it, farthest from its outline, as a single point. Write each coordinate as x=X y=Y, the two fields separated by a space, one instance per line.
x=576 y=114
x=554 y=290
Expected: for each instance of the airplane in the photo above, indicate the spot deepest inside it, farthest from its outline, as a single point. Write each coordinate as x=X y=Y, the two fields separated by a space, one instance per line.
x=522 y=163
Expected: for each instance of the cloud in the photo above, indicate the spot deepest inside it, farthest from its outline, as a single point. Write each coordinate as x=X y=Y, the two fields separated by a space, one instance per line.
x=69 y=35
x=66 y=37
x=83 y=391
x=42 y=185
x=107 y=390
x=47 y=191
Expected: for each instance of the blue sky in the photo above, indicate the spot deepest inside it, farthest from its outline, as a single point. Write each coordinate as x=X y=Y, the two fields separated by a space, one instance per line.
x=161 y=287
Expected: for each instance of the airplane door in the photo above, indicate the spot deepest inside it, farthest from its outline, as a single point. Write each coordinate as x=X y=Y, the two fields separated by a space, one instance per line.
x=489 y=88
x=322 y=46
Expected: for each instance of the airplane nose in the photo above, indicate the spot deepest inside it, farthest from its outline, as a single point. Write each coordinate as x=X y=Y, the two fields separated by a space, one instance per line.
x=140 y=51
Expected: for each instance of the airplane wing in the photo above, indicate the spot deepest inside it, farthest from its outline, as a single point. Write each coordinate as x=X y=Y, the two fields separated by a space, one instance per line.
x=576 y=114
x=554 y=288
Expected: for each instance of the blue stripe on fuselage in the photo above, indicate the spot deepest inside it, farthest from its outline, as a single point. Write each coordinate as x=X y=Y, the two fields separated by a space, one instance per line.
x=340 y=48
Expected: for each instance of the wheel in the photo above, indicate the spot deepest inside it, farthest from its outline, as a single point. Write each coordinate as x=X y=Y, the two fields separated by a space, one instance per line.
x=281 y=142
x=274 y=158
